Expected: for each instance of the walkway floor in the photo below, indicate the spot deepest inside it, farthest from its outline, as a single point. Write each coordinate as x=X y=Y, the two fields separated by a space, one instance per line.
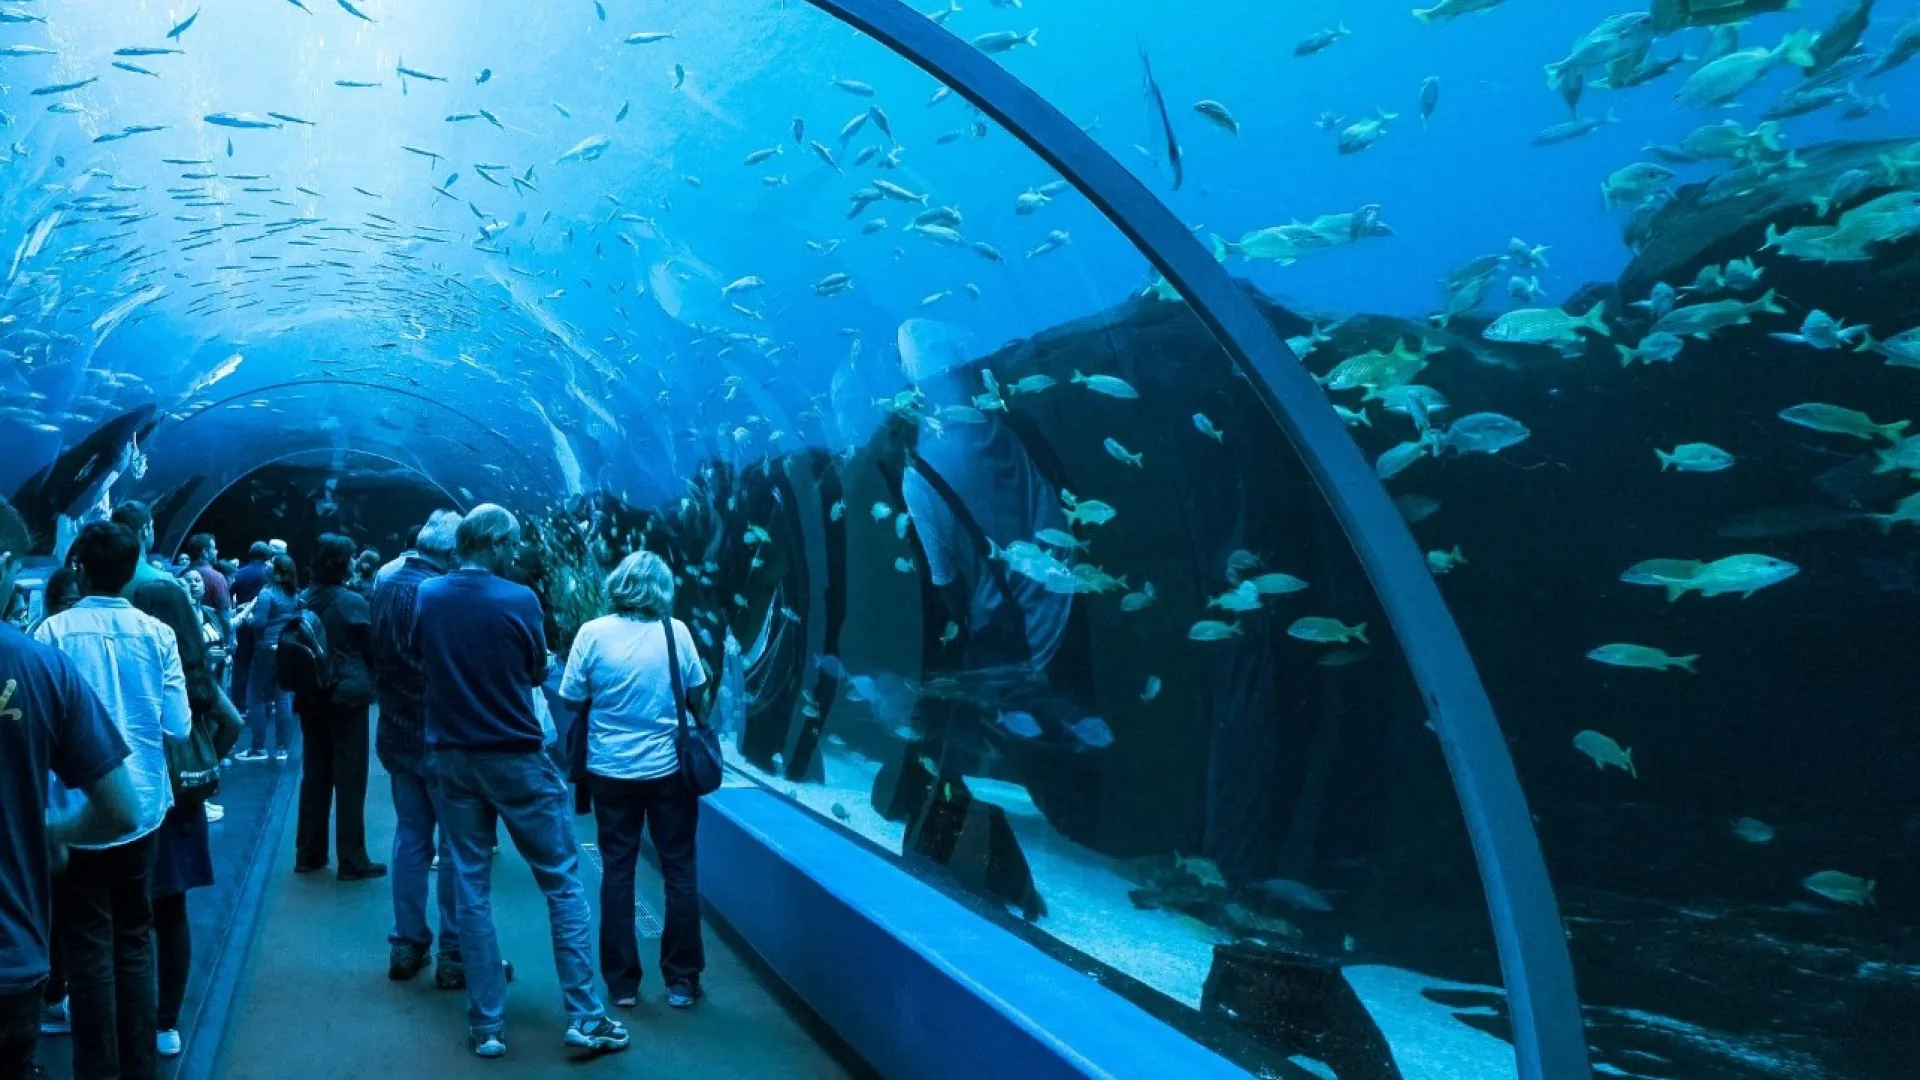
x=316 y=1001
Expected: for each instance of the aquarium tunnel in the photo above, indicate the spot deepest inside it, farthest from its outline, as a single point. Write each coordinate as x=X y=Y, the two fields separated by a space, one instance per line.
x=1310 y=540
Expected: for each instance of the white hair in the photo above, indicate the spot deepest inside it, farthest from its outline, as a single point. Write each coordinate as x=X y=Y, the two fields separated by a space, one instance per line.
x=487 y=529
x=641 y=587
x=440 y=535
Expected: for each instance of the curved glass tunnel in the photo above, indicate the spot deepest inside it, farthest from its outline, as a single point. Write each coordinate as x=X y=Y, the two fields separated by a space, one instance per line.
x=710 y=283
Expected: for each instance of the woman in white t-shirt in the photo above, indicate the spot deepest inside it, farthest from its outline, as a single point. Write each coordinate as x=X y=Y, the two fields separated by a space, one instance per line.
x=619 y=682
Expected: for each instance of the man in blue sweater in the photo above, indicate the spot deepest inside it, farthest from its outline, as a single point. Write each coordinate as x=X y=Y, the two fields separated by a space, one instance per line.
x=481 y=642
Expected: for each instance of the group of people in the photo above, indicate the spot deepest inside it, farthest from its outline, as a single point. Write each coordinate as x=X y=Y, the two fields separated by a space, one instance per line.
x=125 y=675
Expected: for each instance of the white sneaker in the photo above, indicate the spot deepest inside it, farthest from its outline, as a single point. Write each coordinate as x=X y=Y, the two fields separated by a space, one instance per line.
x=487 y=1046
x=281 y=756
x=168 y=1043
x=215 y=812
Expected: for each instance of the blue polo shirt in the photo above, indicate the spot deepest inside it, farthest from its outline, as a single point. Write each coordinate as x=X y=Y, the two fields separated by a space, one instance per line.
x=50 y=722
x=482 y=645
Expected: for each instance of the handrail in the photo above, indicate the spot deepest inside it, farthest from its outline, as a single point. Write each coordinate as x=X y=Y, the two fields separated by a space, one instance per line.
x=1549 y=1038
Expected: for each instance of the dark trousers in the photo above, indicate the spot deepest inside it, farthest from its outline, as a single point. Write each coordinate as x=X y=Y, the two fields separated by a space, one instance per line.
x=334 y=762
x=173 y=955
x=19 y=1030
x=671 y=812
x=106 y=923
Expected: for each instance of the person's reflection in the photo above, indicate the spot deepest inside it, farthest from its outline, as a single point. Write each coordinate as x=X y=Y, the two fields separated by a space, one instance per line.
x=972 y=488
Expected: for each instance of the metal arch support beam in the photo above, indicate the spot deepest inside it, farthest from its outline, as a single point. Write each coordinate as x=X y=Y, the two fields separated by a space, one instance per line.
x=1550 y=1043
x=183 y=521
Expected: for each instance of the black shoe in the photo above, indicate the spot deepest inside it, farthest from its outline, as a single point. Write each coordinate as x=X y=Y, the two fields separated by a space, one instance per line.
x=450 y=975
x=308 y=868
x=682 y=995
x=405 y=961
x=364 y=873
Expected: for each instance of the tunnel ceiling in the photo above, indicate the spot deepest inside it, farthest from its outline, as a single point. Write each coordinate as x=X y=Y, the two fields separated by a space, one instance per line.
x=601 y=234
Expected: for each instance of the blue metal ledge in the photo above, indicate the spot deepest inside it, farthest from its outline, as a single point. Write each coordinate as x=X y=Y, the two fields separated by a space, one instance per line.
x=916 y=983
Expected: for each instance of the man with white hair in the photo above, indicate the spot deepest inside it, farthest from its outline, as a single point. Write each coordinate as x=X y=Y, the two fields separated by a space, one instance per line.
x=400 y=742
x=481 y=642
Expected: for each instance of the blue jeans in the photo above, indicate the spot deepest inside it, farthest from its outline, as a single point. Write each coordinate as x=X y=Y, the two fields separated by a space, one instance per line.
x=269 y=709
x=416 y=809
x=526 y=791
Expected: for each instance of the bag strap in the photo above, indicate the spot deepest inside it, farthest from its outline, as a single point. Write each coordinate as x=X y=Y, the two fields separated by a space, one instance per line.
x=673 y=666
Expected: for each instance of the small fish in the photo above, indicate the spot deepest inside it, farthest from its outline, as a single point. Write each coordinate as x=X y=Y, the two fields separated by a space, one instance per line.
x=852 y=86
x=185 y=25
x=1106 y=384
x=1002 y=40
x=1152 y=689
x=1091 y=731
x=1205 y=427
x=679 y=76
x=1138 y=601
x=1217 y=113
x=1240 y=599
x=1694 y=457
x=1658 y=348
x=148 y=50
x=239 y=120
x=1324 y=631
x=1840 y=888
x=904 y=565
x=1429 y=98
x=1210 y=630
x=1445 y=562
x=485 y=75
x=1020 y=725
x=1604 y=752
x=1642 y=656
x=135 y=68
x=1836 y=420
x=1320 y=39
x=1122 y=454
x=951 y=634
x=61 y=88
x=648 y=37
x=1753 y=830
x=288 y=118
x=587 y=149
x=1275 y=584
x=347 y=6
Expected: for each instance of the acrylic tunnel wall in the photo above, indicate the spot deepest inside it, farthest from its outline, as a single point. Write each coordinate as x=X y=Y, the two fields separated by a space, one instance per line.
x=1007 y=523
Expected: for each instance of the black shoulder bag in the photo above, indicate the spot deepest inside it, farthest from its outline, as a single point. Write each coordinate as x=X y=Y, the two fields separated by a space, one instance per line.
x=697 y=745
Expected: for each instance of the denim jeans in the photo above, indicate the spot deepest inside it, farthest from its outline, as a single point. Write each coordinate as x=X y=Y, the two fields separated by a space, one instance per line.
x=526 y=790
x=671 y=812
x=416 y=811
x=269 y=708
x=20 y=1030
x=106 y=925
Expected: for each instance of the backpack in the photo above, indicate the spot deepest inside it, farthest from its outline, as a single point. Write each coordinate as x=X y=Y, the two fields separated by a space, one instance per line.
x=302 y=665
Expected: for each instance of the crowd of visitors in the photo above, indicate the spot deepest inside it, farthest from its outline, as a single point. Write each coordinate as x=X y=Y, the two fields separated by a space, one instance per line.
x=124 y=702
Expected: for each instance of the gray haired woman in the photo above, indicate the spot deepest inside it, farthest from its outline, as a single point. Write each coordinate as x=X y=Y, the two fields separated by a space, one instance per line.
x=619 y=681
